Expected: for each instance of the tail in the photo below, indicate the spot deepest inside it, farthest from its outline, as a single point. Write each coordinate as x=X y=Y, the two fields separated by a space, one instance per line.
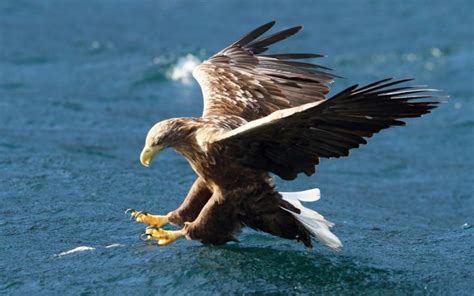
x=310 y=219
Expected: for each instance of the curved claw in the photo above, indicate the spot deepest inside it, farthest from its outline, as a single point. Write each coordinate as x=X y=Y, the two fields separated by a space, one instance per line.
x=145 y=236
x=164 y=237
x=133 y=213
x=145 y=217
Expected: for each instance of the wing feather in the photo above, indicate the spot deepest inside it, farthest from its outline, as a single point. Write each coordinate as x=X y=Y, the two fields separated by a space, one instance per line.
x=240 y=81
x=254 y=34
x=291 y=141
x=260 y=45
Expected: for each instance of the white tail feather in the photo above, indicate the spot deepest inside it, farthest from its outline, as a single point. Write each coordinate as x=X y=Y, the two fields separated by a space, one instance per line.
x=312 y=220
x=307 y=195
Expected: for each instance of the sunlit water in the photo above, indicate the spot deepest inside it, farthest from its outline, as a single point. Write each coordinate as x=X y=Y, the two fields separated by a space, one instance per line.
x=81 y=82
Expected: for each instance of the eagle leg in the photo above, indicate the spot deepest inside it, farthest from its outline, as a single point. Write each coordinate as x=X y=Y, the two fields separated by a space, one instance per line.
x=144 y=217
x=164 y=237
x=192 y=205
x=217 y=222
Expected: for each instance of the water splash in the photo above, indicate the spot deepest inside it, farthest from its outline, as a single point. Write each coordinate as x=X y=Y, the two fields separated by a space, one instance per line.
x=183 y=69
x=75 y=250
x=114 y=246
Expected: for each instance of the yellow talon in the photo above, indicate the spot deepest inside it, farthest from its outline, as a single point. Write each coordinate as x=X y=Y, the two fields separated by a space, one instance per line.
x=164 y=237
x=144 y=217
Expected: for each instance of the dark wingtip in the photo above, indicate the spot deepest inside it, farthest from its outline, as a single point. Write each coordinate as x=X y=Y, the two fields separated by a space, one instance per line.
x=257 y=45
x=252 y=35
x=293 y=30
x=266 y=26
x=298 y=28
x=294 y=56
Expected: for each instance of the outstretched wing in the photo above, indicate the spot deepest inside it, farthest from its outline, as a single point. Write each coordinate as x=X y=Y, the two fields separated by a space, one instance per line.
x=240 y=80
x=291 y=141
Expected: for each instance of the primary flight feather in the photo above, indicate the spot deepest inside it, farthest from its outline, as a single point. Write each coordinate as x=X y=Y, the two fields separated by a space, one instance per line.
x=268 y=113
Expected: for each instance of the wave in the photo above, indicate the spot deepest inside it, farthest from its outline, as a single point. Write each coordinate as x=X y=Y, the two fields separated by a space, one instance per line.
x=183 y=69
x=113 y=246
x=169 y=68
x=86 y=248
x=75 y=250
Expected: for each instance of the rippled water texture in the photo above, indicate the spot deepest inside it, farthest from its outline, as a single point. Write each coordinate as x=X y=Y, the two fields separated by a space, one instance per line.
x=81 y=82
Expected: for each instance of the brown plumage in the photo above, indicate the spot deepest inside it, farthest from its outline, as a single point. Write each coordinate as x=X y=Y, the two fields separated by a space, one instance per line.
x=268 y=114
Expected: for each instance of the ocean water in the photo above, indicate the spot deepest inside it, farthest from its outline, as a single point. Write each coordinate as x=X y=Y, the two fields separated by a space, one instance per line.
x=81 y=82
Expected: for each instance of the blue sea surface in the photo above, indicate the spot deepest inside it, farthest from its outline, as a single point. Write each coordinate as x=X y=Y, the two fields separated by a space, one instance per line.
x=81 y=82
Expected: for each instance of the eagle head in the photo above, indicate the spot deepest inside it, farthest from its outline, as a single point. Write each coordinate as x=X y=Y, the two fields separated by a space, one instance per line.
x=164 y=134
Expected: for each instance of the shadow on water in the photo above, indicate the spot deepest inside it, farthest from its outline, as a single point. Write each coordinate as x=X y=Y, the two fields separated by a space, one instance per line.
x=237 y=269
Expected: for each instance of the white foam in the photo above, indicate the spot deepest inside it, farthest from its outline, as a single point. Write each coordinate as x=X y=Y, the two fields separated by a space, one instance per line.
x=75 y=250
x=183 y=69
x=114 y=246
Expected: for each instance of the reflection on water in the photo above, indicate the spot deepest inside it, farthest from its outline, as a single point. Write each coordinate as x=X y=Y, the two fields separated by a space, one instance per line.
x=264 y=269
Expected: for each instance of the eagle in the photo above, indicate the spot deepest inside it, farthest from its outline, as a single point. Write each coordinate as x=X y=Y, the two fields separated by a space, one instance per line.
x=265 y=115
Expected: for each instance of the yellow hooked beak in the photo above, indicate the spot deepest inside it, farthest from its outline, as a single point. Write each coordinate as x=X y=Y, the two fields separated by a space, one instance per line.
x=148 y=153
